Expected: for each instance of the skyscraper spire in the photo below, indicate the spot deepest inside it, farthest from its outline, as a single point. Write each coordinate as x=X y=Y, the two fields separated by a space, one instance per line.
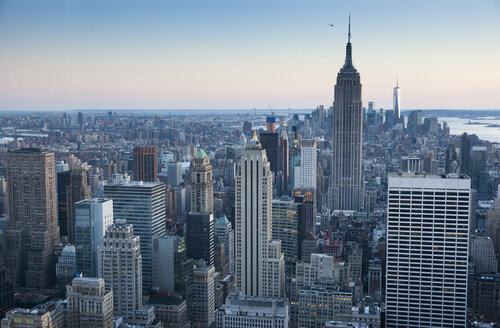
x=348 y=57
x=349 y=34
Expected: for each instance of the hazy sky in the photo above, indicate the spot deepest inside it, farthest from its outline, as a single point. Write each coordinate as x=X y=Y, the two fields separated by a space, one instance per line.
x=166 y=54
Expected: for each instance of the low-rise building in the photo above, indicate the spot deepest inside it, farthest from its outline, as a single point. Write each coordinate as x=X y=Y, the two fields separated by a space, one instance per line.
x=241 y=311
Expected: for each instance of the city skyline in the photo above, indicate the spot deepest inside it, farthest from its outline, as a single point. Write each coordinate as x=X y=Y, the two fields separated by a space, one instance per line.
x=223 y=55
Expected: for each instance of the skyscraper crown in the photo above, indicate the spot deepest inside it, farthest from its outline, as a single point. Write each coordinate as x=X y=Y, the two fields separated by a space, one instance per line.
x=348 y=66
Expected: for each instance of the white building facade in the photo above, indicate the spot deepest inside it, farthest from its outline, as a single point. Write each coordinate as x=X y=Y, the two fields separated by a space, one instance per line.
x=120 y=265
x=241 y=311
x=427 y=250
x=305 y=174
x=255 y=257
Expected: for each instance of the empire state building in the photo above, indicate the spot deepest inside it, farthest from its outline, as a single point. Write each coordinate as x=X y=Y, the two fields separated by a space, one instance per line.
x=347 y=186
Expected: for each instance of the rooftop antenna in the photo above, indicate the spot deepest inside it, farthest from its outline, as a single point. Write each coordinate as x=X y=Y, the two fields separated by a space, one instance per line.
x=349 y=35
x=397 y=81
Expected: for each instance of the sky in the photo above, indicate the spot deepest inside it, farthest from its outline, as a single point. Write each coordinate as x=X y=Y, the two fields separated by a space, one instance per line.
x=232 y=54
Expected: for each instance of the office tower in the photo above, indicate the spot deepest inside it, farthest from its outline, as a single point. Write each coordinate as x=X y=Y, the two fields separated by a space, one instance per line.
x=269 y=141
x=32 y=230
x=171 y=310
x=3 y=195
x=285 y=227
x=46 y=315
x=77 y=190
x=478 y=171
x=63 y=181
x=284 y=159
x=355 y=261
x=204 y=295
x=410 y=164
x=390 y=120
x=306 y=199
x=492 y=225
x=144 y=164
x=89 y=304
x=347 y=174
x=414 y=121
x=220 y=260
x=66 y=267
x=465 y=149
x=305 y=174
x=6 y=292
x=255 y=257
x=81 y=120
x=92 y=218
x=200 y=236
x=120 y=265
x=375 y=278
x=164 y=250
x=202 y=186
x=224 y=231
x=397 y=102
x=484 y=303
x=427 y=250
x=141 y=204
x=174 y=172
x=431 y=125
x=242 y=311
x=483 y=255
x=451 y=159
x=276 y=146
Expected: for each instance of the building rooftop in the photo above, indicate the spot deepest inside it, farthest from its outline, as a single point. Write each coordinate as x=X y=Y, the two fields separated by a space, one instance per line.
x=223 y=220
x=134 y=184
x=429 y=176
x=93 y=201
x=166 y=299
x=201 y=154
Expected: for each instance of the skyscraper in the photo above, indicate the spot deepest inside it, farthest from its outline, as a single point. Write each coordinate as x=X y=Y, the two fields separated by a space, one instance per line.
x=200 y=236
x=224 y=231
x=204 y=295
x=285 y=228
x=465 y=149
x=32 y=230
x=145 y=166
x=257 y=256
x=77 y=190
x=120 y=265
x=347 y=192
x=89 y=304
x=66 y=267
x=174 y=173
x=63 y=181
x=202 y=185
x=397 y=103
x=143 y=205
x=427 y=250
x=92 y=218
x=305 y=174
